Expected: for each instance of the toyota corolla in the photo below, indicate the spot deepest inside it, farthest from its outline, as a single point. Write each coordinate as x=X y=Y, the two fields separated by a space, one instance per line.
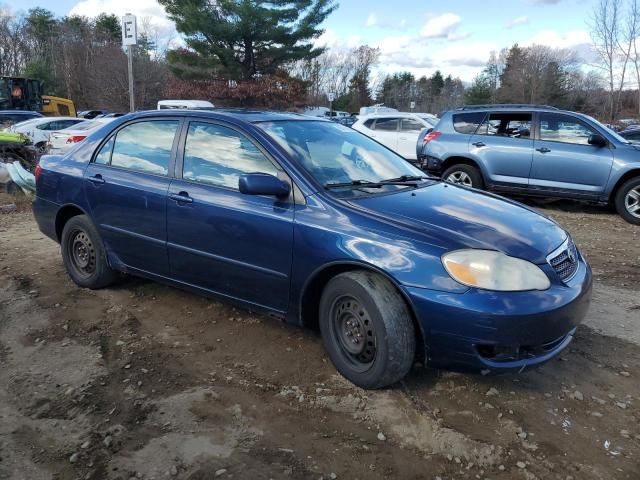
x=316 y=224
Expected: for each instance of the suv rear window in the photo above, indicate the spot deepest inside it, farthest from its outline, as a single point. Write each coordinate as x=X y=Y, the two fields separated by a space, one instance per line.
x=467 y=122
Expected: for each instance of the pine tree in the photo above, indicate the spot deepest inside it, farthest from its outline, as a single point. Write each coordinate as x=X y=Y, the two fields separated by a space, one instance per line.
x=241 y=39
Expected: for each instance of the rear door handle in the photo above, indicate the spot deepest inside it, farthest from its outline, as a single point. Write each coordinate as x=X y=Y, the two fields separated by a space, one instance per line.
x=96 y=179
x=182 y=197
x=478 y=144
x=543 y=150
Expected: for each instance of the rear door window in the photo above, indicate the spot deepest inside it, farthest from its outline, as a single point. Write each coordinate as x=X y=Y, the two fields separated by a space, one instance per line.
x=505 y=124
x=467 y=123
x=386 y=124
x=410 y=125
x=145 y=146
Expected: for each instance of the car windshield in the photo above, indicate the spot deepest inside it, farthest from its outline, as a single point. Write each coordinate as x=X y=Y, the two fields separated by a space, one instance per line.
x=337 y=155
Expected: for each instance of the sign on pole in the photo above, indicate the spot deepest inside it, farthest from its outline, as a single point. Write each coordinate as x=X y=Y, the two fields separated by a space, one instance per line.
x=129 y=39
x=129 y=30
x=413 y=105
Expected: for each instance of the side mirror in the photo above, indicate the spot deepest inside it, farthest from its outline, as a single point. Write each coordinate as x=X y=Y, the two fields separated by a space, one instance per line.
x=597 y=140
x=263 y=184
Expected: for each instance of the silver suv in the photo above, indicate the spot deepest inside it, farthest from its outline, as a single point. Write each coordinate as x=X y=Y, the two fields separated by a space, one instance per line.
x=534 y=150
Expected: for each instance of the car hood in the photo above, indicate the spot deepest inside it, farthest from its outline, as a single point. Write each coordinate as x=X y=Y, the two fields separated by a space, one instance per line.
x=453 y=217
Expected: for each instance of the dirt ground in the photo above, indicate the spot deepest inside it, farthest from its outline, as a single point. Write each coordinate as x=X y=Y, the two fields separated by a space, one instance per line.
x=146 y=381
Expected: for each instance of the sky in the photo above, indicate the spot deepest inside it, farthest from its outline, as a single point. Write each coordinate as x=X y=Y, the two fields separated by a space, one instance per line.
x=456 y=36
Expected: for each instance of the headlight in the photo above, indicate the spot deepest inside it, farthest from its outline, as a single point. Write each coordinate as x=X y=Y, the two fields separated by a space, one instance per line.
x=491 y=270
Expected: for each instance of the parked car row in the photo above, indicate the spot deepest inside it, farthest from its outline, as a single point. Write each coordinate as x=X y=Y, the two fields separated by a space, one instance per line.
x=535 y=151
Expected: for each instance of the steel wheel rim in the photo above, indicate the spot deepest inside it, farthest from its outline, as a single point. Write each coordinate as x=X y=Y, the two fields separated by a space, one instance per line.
x=82 y=253
x=353 y=331
x=632 y=202
x=460 y=178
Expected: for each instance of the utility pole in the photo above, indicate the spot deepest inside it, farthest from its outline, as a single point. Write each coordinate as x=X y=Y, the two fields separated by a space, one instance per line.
x=132 y=102
x=129 y=40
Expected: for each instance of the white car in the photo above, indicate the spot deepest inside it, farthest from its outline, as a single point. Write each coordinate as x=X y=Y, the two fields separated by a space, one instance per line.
x=185 y=104
x=39 y=129
x=63 y=140
x=397 y=131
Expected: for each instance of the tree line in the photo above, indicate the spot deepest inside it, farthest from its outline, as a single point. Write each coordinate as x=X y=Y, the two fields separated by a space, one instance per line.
x=263 y=54
x=80 y=58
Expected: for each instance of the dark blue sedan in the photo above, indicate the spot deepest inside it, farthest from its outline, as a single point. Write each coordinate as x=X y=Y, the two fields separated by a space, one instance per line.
x=314 y=223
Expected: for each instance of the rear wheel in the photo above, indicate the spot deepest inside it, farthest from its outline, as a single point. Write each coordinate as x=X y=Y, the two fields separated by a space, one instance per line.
x=463 y=174
x=628 y=201
x=83 y=254
x=367 y=329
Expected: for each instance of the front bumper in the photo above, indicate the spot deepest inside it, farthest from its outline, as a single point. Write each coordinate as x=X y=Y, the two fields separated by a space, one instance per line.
x=493 y=332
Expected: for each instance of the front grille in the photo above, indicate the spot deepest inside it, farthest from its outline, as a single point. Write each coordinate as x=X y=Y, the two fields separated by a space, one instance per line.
x=565 y=260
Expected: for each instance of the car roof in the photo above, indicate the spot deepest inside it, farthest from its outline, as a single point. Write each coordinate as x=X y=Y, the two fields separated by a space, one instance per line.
x=53 y=119
x=389 y=114
x=516 y=107
x=246 y=115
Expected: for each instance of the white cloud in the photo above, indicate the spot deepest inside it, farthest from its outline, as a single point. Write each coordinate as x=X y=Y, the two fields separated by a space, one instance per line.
x=372 y=20
x=517 y=21
x=551 y=38
x=328 y=39
x=145 y=10
x=441 y=26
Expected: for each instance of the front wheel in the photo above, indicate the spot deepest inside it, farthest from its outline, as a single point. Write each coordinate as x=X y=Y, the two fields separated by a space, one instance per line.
x=83 y=254
x=463 y=174
x=367 y=329
x=628 y=201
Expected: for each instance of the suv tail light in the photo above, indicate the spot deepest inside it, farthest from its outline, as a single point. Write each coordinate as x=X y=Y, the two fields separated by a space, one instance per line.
x=76 y=138
x=430 y=136
x=37 y=172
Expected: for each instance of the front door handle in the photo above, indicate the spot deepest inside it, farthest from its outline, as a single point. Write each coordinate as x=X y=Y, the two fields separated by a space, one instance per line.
x=96 y=179
x=543 y=150
x=182 y=197
x=478 y=144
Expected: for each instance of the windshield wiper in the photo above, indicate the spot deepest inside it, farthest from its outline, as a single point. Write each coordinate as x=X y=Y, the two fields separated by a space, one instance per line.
x=403 y=179
x=353 y=183
x=410 y=181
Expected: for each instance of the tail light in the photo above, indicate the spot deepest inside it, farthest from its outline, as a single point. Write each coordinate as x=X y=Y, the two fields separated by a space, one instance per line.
x=37 y=172
x=430 y=136
x=76 y=138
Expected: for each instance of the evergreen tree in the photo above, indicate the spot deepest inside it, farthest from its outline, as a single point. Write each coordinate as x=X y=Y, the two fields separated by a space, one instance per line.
x=108 y=27
x=479 y=92
x=244 y=38
x=513 y=80
x=437 y=83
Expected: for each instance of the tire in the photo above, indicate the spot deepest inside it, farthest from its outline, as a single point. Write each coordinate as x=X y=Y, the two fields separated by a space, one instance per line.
x=627 y=201
x=367 y=304
x=463 y=174
x=84 y=255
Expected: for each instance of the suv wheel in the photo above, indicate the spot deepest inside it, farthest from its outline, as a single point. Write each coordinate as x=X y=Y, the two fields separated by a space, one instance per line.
x=463 y=174
x=367 y=329
x=83 y=254
x=628 y=201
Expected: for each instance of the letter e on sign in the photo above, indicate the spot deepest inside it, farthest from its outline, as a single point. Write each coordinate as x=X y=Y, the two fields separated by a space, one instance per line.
x=129 y=30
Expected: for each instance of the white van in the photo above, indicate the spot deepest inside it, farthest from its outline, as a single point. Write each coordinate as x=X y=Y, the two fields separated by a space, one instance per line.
x=188 y=104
